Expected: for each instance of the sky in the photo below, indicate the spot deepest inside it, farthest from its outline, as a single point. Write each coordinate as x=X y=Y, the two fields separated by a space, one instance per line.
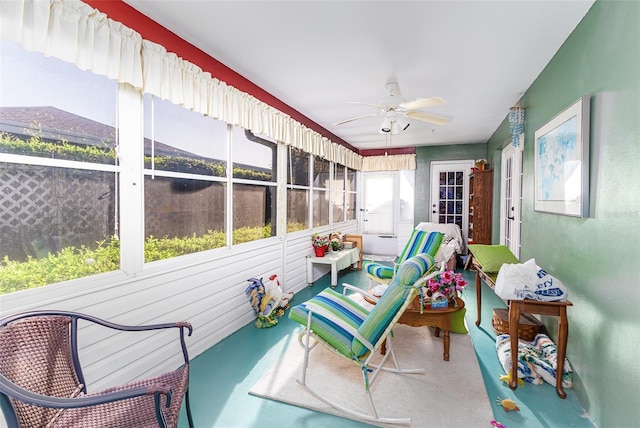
x=31 y=79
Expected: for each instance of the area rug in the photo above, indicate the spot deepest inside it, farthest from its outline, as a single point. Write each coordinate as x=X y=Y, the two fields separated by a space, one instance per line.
x=450 y=393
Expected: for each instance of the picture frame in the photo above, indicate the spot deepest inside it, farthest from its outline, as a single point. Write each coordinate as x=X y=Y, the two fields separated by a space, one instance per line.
x=561 y=162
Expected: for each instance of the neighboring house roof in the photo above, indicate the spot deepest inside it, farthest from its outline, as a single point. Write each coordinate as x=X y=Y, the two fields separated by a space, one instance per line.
x=51 y=123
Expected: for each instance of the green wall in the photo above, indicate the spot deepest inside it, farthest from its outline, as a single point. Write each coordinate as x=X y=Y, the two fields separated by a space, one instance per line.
x=424 y=157
x=598 y=257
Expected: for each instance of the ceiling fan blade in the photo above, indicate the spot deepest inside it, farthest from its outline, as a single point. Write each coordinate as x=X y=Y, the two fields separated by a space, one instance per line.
x=428 y=117
x=378 y=106
x=356 y=118
x=423 y=103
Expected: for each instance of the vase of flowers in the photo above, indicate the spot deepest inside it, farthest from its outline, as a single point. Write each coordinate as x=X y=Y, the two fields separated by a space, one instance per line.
x=320 y=244
x=441 y=289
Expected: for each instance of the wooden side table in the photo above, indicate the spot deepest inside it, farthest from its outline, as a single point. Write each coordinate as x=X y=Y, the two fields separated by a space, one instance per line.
x=440 y=318
x=558 y=309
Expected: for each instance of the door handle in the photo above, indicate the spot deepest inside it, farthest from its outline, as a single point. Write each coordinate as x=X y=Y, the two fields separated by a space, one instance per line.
x=511 y=218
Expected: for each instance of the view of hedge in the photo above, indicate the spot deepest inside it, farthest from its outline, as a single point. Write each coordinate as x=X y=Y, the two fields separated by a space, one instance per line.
x=72 y=263
x=34 y=146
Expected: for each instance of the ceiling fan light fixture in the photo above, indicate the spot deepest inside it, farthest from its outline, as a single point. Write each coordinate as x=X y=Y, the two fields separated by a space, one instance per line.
x=387 y=126
x=403 y=124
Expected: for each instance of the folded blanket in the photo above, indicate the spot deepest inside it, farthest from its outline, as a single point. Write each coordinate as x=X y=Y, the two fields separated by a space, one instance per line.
x=537 y=360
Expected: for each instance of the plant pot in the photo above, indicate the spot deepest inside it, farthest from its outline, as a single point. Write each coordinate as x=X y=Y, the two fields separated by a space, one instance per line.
x=320 y=251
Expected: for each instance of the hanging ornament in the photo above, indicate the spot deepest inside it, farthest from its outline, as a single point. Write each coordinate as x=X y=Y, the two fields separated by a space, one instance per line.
x=516 y=123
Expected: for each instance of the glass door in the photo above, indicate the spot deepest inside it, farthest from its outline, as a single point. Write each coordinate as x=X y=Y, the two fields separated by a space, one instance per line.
x=450 y=193
x=511 y=198
x=379 y=212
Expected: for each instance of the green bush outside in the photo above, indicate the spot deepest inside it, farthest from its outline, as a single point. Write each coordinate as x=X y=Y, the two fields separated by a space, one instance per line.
x=34 y=146
x=72 y=263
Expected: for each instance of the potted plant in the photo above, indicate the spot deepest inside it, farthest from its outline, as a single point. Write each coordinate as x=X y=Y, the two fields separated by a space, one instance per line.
x=481 y=164
x=335 y=243
x=320 y=243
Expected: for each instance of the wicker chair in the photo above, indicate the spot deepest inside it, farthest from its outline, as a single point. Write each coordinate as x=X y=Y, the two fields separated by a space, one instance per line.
x=42 y=384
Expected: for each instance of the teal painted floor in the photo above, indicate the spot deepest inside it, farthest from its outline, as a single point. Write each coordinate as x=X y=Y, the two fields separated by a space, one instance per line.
x=222 y=376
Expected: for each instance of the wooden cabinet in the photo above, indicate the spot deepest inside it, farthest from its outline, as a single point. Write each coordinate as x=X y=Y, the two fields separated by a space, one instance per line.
x=480 y=205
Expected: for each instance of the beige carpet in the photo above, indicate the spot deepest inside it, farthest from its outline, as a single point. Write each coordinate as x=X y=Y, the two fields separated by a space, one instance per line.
x=450 y=394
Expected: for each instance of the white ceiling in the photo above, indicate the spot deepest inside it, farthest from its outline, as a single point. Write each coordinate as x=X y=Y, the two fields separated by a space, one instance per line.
x=317 y=56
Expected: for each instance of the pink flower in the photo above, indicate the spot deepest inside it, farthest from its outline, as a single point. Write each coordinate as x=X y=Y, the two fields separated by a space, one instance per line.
x=447 y=277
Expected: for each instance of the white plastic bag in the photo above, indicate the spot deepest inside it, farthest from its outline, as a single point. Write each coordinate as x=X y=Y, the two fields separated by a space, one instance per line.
x=528 y=281
x=548 y=288
x=514 y=279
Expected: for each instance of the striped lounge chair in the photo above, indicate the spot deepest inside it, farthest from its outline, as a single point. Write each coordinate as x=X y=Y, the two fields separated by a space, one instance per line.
x=351 y=331
x=420 y=242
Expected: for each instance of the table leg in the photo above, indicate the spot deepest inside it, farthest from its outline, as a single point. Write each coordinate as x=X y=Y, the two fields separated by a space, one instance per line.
x=309 y=272
x=514 y=321
x=446 y=341
x=563 y=333
x=334 y=275
x=478 y=297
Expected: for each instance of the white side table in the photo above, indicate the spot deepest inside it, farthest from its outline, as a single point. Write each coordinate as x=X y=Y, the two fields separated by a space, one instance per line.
x=338 y=261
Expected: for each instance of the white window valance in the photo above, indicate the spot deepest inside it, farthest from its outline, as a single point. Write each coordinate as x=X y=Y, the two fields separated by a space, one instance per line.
x=389 y=163
x=75 y=32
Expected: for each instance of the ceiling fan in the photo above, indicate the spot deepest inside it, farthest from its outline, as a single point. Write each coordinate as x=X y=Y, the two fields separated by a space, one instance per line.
x=397 y=110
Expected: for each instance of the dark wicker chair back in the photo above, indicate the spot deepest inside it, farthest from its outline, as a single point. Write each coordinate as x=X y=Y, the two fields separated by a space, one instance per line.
x=42 y=385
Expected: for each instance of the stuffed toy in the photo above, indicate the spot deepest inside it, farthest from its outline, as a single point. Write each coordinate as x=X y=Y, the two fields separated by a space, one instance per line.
x=268 y=300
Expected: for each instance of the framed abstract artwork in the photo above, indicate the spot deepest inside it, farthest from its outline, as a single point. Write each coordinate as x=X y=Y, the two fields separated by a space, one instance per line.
x=562 y=162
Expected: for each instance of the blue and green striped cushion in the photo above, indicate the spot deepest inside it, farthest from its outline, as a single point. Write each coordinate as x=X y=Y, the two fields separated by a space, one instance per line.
x=378 y=270
x=421 y=242
x=341 y=306
x=387 y=307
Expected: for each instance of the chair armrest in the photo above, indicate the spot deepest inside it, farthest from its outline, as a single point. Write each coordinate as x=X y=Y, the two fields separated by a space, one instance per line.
x=16 y=392
x=352 y=288
x=75 y=316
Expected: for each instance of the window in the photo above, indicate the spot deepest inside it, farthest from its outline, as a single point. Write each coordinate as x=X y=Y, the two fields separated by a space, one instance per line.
x=206 y=184
x=338 y=192
x=254 y=186
x=298 y=189
x=185 y=181
x=58 y=171
x=320 y=191
x=350 y=202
